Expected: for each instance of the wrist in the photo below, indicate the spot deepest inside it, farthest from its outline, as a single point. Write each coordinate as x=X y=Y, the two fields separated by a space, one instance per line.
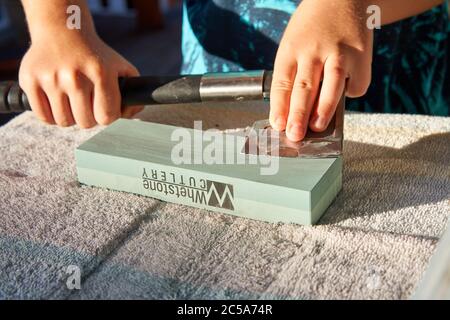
x=50 y=20
x=61 y=33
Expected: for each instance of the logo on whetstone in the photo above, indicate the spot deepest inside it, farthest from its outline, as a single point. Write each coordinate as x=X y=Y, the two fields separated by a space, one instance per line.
x=220 y=195
x=198 y=191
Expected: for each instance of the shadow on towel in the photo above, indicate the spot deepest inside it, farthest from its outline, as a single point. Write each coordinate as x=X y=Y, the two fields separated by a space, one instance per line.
x=379 y=179
x=32 y=270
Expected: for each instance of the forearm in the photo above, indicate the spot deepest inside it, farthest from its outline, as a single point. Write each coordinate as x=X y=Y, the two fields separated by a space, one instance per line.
x=49 y=18
x=396 y=10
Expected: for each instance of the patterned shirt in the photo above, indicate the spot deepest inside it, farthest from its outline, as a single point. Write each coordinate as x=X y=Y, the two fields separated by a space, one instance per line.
x=411 y=71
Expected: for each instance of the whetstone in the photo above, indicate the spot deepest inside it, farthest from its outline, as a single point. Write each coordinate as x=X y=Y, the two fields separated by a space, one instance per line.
x=134 y=156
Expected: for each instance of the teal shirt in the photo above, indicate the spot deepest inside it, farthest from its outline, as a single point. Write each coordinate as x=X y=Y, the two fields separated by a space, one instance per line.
x=411 y=70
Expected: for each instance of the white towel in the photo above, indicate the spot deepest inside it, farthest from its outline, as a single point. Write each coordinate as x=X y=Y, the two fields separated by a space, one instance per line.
x=374 y=242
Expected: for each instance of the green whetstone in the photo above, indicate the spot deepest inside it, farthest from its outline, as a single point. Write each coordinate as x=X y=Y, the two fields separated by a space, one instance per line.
x=135 y=157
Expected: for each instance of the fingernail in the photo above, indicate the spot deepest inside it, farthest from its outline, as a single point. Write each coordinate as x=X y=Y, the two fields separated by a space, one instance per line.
x=320 y=123
x=280 y=123
x=295 y=132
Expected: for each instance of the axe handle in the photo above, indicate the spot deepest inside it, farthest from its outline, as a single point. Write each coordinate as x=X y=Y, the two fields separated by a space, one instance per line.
x=134 y=91
x=151 y=90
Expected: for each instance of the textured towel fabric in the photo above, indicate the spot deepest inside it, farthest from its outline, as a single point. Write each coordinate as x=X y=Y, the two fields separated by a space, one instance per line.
x=374 y=241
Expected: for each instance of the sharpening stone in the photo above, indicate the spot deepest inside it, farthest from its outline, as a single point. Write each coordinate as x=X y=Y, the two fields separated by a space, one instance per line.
x=134 y=156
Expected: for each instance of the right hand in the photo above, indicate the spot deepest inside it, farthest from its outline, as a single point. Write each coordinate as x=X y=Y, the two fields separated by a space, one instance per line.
x=72 y=78
x=325 y=41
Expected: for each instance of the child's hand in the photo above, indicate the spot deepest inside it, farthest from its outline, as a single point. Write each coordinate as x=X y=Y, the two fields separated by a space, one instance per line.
x=72 y=78
x=325 y=39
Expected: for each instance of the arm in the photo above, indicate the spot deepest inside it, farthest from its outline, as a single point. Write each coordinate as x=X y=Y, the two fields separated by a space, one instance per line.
x=70 y=75
x=328 y=41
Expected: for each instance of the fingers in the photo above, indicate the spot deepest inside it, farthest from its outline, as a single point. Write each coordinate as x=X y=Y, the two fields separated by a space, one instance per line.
x=106 y=97
x=38 y=99
x=73 y=97
x=293 y=93
x=298 y=96
x=358 y=82
x=83 y=88
x=128 y=70
x=59 y=101
x=130 y=112
x=81 y=104
x=280 y=95
x=303 y=96
x=79 y=91
x=61 y=110
x=330 y=93
x=360 y=73
x=106 y=102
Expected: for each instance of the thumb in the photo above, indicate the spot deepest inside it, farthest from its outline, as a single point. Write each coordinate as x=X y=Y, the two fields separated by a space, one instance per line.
x=126 y=69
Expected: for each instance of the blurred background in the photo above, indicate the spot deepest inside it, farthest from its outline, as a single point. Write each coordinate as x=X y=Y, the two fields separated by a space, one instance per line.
x=145 y=32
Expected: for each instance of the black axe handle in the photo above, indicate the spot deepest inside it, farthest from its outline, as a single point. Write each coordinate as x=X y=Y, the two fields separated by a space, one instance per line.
x=153 y=90
x=134 y=91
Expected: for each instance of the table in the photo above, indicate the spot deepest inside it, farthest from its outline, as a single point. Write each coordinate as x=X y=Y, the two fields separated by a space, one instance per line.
x=374 y=242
